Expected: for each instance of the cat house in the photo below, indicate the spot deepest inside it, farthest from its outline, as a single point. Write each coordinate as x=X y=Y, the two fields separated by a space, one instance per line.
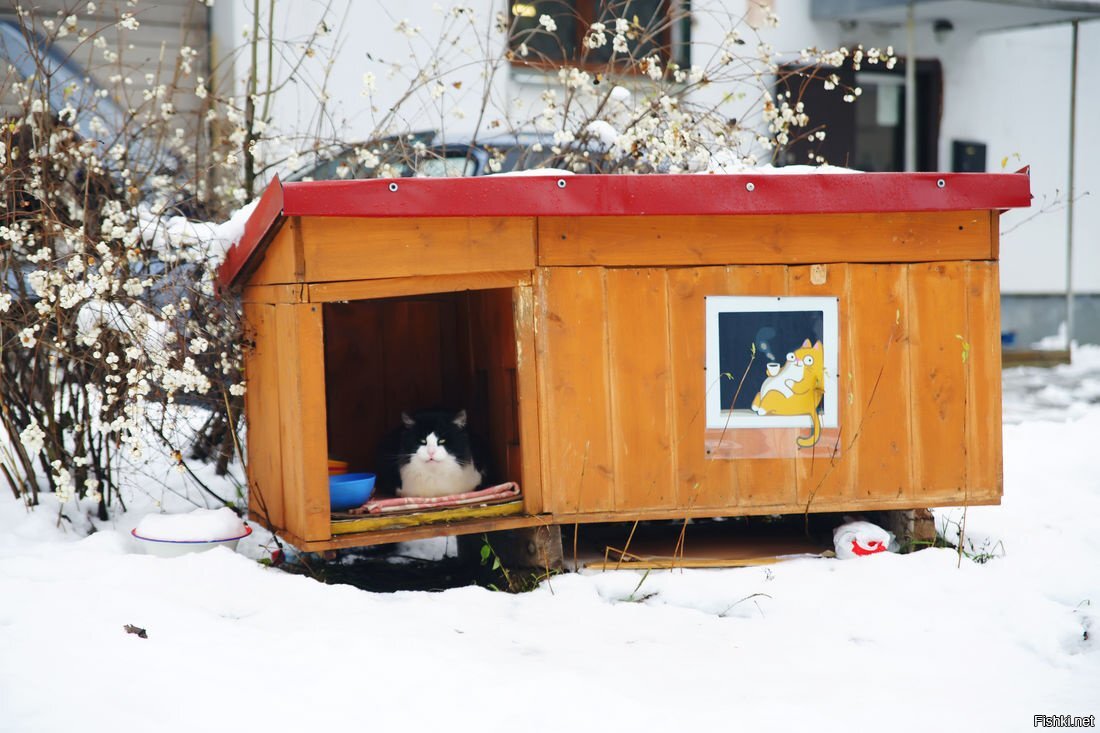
x=631 y=347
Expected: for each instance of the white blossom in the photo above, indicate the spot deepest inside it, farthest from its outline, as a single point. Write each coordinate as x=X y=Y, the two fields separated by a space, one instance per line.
x=595 y=38
x=406 y=28
x=33 y=438
x=368 y=158
x=91 y=488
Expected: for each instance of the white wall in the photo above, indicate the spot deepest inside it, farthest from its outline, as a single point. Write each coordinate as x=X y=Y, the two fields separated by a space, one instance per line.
x=1009 y=90
x=1012 y=90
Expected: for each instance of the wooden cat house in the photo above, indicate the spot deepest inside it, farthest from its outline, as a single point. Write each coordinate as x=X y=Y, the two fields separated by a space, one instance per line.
x=613 y=337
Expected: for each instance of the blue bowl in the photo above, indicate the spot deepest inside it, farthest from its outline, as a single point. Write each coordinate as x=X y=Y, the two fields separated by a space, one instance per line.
x=349 y=490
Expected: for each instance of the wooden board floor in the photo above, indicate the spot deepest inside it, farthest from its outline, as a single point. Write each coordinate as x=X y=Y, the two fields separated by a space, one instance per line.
x=1034 y=357
x=705 y=545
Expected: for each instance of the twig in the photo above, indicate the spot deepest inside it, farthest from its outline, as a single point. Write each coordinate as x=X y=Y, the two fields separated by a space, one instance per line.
x=679 y=550
x=645 y=575
x=746 y=598
x=628 y=539
x=736 y=393
x=576 y=532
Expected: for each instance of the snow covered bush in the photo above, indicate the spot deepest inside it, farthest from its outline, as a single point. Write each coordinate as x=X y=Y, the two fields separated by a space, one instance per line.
x=107 y=305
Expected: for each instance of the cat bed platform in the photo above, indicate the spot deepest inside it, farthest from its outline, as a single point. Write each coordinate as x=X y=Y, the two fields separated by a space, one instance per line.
x=630 y=347
x=345 y=523
x=499 y=494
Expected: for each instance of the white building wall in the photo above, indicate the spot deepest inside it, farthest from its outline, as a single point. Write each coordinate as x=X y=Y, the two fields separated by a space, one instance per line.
x=1009 y=90
x=1012 y=90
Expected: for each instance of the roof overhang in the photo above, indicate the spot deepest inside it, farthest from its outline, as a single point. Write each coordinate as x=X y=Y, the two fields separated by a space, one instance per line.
x=977 y=15
x=620 y=195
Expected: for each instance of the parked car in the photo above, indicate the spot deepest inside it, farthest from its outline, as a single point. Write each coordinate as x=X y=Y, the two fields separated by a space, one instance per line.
x=429 y=154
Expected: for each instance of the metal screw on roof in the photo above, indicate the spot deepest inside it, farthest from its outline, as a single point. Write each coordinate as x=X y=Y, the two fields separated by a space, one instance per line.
x=561 y=183
x=393 y=187
x=750 y=186
x=941 y=183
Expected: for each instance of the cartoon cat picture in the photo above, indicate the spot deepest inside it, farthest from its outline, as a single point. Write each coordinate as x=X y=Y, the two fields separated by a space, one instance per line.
x=796 y=389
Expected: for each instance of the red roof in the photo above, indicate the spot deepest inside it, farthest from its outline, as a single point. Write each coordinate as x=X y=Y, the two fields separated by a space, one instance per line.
x=622 y=195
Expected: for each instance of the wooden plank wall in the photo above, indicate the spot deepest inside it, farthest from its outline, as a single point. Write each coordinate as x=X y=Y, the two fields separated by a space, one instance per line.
x=303 y=438
x=490 y=329
x=345 y=248
x=265 y=478
x=622 y=400
x=648 y=241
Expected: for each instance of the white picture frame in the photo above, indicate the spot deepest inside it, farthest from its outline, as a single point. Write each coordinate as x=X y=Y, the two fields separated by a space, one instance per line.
x=720 y=417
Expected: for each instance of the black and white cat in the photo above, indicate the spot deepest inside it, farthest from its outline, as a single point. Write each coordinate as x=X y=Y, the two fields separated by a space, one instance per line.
x=435 y=455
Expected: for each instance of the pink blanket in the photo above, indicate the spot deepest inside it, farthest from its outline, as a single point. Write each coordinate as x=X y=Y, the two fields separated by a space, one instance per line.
x=492 y=495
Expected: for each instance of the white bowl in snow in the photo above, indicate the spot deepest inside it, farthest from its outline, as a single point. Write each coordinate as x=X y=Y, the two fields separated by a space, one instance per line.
x=175 y=548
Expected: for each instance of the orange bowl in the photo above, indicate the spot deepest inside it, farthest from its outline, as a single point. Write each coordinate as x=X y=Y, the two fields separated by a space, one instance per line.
x=337 y=468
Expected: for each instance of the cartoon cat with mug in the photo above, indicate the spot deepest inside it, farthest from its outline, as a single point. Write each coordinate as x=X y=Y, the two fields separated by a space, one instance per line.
x=795 y=388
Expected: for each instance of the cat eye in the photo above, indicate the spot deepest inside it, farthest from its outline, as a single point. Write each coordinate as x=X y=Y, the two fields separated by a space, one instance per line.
x=441 y=441
x=808 y=360
x=423 y=441
x=790 y=356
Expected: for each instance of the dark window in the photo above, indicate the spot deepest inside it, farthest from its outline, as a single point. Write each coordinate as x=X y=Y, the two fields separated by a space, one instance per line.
x=869 y=134
x=748 y=341
x=656 y=27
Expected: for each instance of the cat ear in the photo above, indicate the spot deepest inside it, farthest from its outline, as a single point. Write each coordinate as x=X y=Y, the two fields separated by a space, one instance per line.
x=817 y=345
x=806 y=344
x=460 y=419
x=408 y=421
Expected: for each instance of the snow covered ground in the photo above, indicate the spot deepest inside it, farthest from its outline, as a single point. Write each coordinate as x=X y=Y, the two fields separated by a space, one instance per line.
x=887 y=642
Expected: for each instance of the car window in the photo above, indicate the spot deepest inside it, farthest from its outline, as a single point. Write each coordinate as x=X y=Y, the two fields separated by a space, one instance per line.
x=522 y=158
x=446 y=167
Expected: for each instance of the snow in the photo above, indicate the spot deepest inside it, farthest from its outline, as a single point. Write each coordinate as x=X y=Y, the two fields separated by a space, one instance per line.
x=621 y=94
x=174 y=234
x=730 y=166
x=603 y=131
x=199 y=525
x=728 y=162
x=890 y=642
x=534 y=173
x=135 y=322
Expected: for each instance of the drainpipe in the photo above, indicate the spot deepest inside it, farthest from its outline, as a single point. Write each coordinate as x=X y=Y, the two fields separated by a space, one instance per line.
x=1069 y=188
x=910 y=89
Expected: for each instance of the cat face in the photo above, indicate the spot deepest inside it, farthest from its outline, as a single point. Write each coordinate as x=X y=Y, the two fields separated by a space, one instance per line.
x=435 y=439
x=792 y=368
x=812 y=358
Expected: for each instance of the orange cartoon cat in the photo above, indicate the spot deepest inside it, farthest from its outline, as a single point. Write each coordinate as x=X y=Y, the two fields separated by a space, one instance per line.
x=797 y=389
